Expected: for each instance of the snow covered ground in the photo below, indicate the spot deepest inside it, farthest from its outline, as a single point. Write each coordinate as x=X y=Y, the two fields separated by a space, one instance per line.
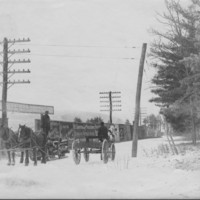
x=150 y=175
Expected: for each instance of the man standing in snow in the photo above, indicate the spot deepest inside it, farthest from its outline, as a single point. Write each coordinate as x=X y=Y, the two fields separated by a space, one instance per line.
x=45 y=124
x=102 y=132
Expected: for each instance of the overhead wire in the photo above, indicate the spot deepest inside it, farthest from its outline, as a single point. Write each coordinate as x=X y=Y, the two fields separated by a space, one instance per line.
x=80 y=46
x=92 y=57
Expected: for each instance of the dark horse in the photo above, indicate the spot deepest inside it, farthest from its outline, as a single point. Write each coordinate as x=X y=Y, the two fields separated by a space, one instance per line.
x=10 y=142
x=30 y=140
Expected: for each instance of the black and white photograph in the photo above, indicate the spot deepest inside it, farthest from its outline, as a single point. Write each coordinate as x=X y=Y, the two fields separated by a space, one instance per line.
x=100 y=99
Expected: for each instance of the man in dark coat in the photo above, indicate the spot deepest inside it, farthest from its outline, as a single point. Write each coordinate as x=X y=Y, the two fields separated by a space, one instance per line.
x=46 y=122
x=45 y=125
x=102 y=132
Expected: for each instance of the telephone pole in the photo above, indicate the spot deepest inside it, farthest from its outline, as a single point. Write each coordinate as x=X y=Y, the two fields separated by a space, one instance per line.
x=4 y=86
x=137 y=104
x=110 y=102
x=7 y=73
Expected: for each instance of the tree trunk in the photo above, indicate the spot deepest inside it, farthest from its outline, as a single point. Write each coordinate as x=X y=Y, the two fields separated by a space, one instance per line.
x=194 y=135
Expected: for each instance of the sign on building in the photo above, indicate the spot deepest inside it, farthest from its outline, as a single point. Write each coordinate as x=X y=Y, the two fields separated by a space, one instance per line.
x=27 y=108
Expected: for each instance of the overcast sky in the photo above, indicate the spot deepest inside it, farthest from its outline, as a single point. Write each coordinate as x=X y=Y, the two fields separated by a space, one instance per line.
x=80 y=48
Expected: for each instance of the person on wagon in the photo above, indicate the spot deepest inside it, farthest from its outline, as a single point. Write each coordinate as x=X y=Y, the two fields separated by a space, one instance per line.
x=45 y=125
x=46 y=122
x=102 y=132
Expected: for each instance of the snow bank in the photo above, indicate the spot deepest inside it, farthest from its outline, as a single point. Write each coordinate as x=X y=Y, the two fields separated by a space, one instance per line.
x=150 y=175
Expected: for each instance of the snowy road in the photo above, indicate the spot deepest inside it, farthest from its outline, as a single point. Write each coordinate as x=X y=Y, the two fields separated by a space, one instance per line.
x=143 y=177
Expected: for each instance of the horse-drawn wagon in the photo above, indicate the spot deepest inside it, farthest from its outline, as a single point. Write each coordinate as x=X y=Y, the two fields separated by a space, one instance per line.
x=56 y=147
x=30 y=144
x=87 y=142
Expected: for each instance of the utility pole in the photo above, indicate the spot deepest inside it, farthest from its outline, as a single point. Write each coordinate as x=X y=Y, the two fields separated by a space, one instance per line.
x=111 y=102
x=137 y=104
x=5 y=77
x=7 y=73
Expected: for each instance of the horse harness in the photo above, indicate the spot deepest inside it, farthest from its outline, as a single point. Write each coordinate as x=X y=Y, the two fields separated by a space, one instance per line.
x=8 y=140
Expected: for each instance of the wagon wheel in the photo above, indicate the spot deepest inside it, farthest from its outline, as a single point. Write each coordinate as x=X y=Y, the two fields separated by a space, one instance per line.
x=113 y=151
x=104 y=151
x=59 y=152
x=86 y=154
x=38 y=155
x=76 y=152
x=31 y=155
x=49 y=155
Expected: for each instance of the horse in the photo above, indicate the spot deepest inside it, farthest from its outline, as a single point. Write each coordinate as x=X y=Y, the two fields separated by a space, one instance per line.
x=112 y=133
x=10 y=141
x=30 y=140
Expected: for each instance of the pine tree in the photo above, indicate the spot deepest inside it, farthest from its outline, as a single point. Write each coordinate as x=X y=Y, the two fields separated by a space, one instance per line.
x=169 y=50
x=78 y=120
x=176 y=53
x=95 y=120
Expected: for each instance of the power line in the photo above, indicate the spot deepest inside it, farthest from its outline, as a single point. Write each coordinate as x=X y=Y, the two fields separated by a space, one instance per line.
x=93 y=57
x=6 y=73
x=111 y=106
x=85 y=46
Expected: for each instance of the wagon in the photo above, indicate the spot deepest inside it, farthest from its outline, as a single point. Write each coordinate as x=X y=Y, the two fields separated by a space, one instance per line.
x=55 y=148
x=87 y=142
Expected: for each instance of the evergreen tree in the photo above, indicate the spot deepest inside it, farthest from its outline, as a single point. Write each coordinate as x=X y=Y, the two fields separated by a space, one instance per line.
x=175 y=52
x=127 y=122
x=169 y=50
x=95 y=120
x=77 y=120
x=152 y=121
x=192 y=64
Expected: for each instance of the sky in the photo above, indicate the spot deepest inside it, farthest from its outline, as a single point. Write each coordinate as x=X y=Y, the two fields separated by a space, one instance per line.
x=80 y=48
